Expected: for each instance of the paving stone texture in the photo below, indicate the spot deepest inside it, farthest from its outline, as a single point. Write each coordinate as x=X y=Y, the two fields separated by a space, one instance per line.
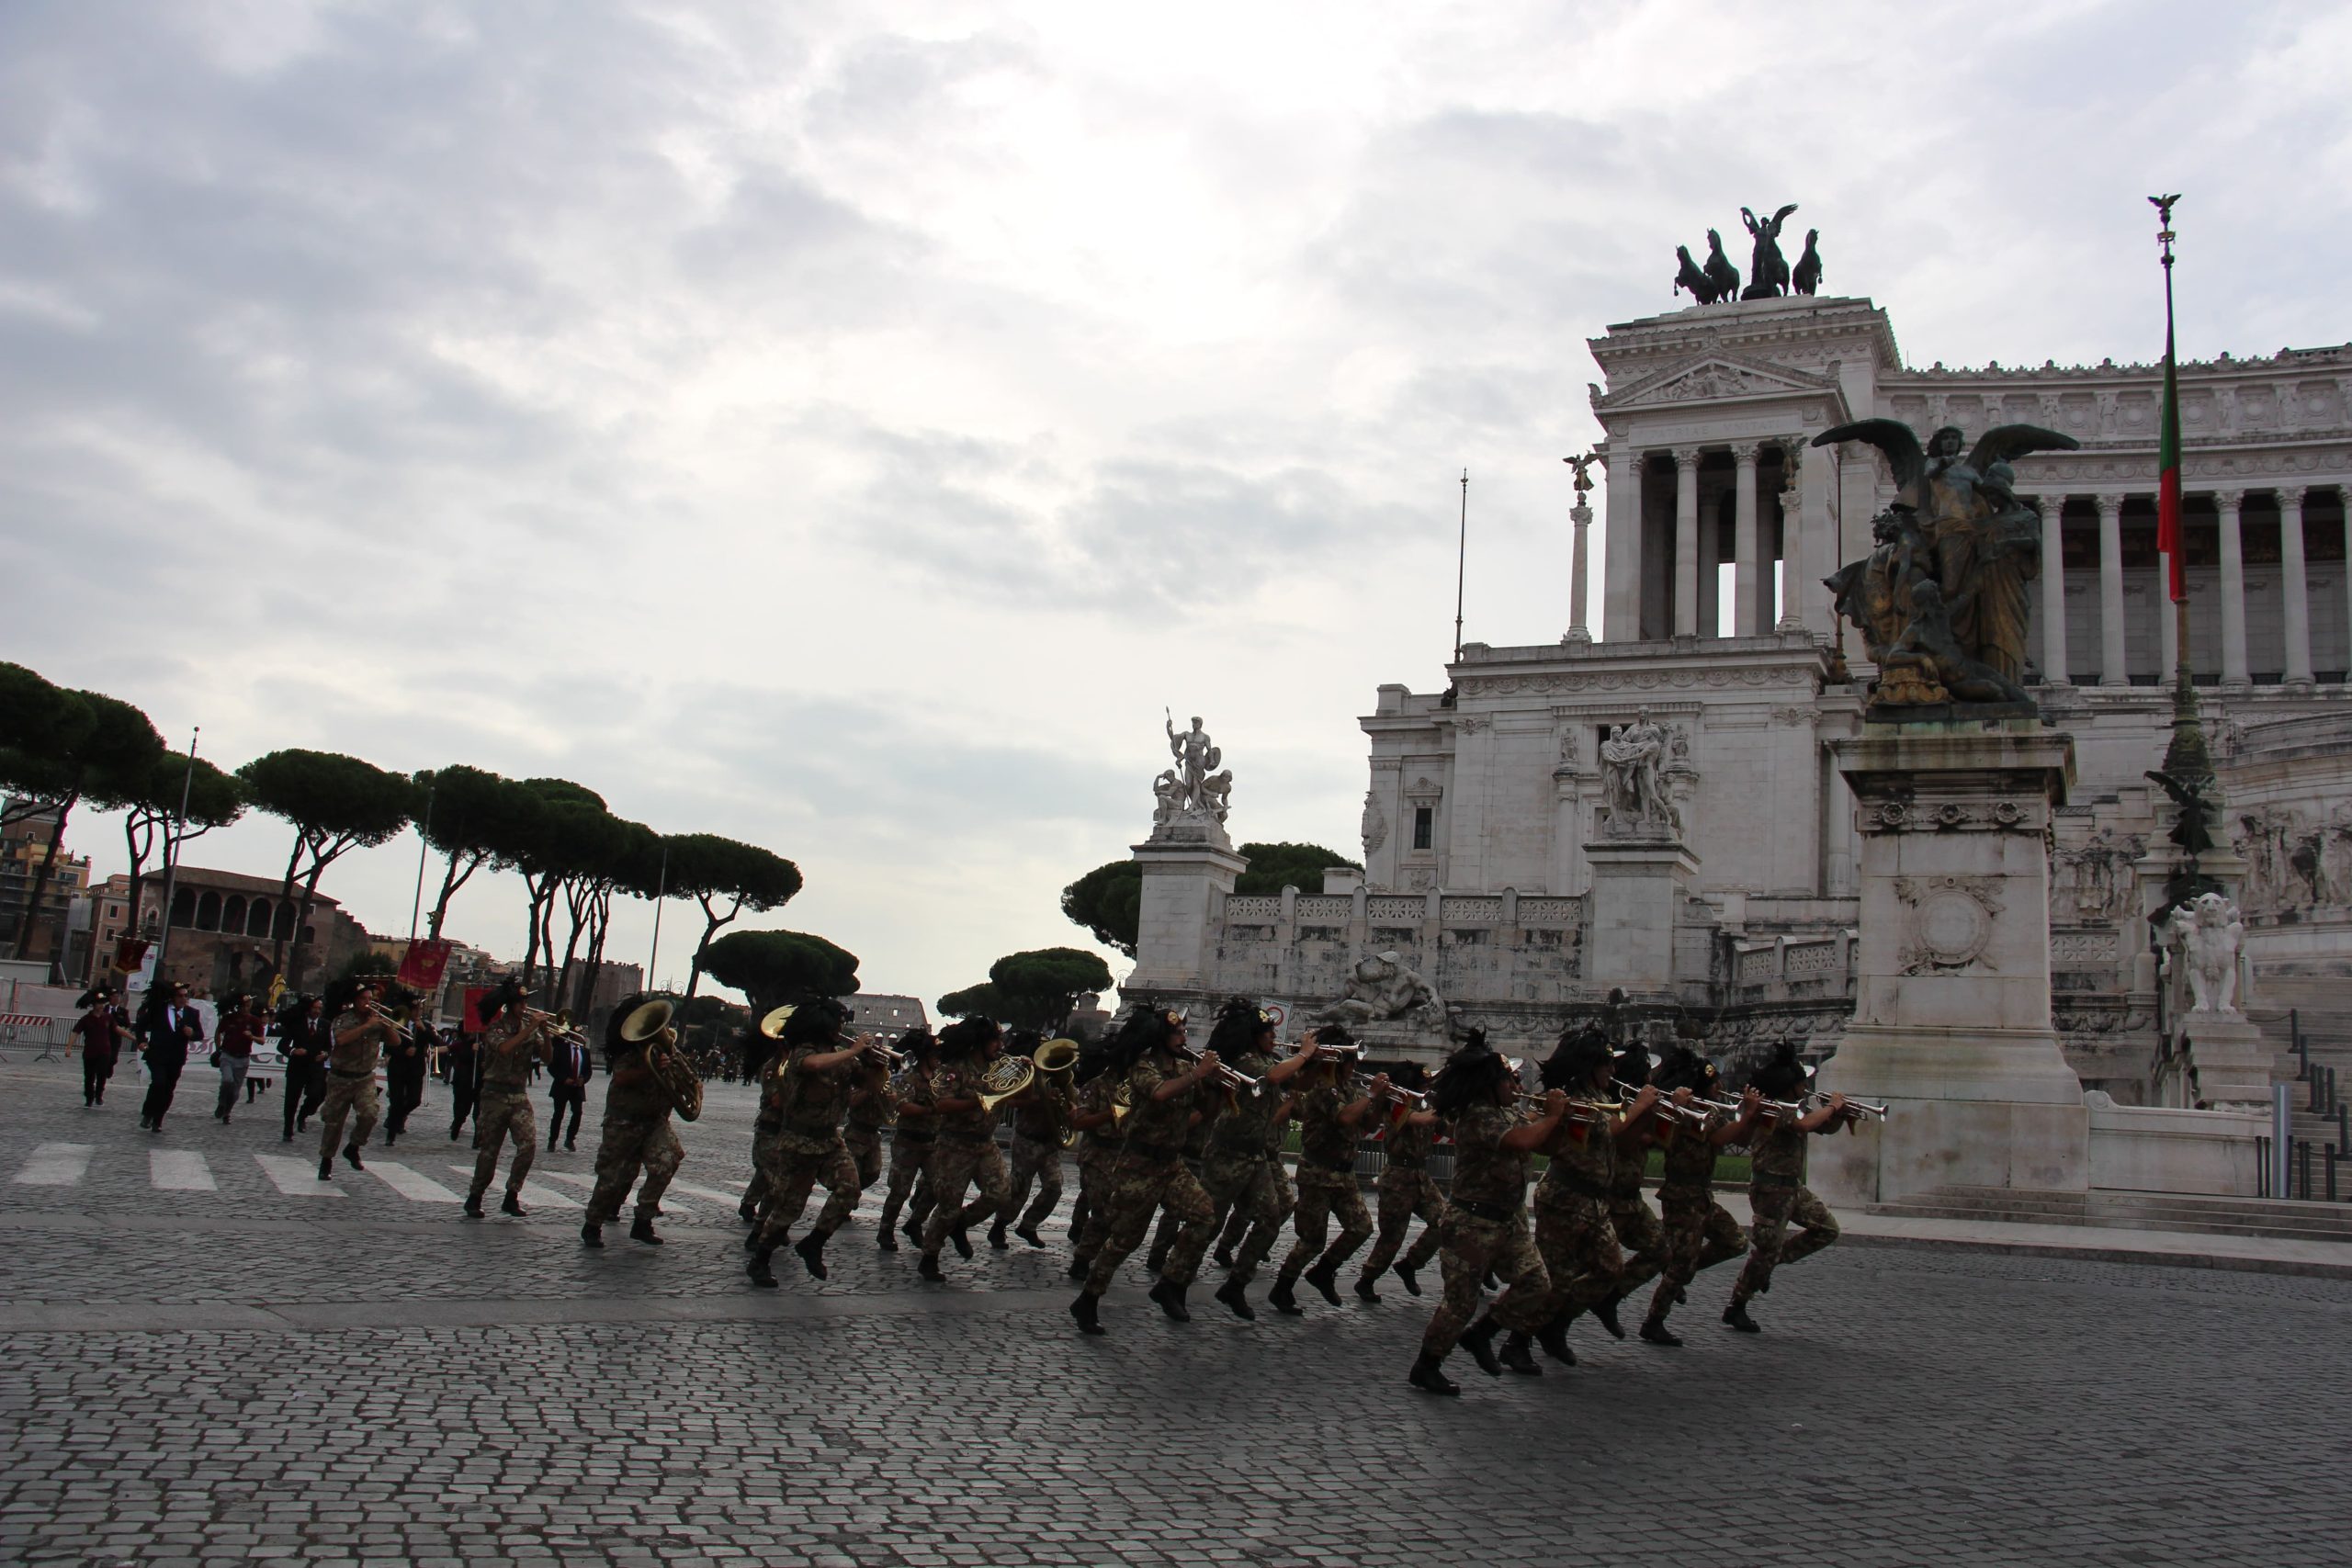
x=238 y=1373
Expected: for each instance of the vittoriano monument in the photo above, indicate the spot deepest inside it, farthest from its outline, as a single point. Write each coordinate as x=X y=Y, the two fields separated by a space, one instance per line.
x=1942 y=602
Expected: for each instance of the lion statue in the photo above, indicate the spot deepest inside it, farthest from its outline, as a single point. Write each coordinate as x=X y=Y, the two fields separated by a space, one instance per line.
x=2205 y=935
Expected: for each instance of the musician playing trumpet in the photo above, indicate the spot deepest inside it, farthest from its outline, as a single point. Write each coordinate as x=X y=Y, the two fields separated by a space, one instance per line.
x=362 y=1033
x=1241 y=1171
x=1334 y=1111
x=1406 y=1189
x=1699 y=1232
x=1165 y=1087
x=1776 y=1189
x=515 y=1038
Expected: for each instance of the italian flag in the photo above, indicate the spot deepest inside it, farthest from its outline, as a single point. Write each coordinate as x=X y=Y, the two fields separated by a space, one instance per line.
x=2168 y=539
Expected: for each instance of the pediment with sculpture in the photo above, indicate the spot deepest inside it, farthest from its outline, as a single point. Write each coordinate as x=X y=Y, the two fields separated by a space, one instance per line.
x=1715 y=377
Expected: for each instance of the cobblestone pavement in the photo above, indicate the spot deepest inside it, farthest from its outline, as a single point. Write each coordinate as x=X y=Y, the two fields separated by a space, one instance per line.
x=196 y=1375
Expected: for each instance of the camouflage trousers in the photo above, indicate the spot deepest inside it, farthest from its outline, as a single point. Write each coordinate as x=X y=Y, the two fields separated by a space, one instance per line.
x=1581 y=1252
x=1038 y=1162
x=1321 y=1194
x=345 y=1098
x=1136 y=1188
x=802 y=1160
x=1164 y=1233
x=1089 y=1216
x=764 y=1145
x=503 y=1113
x=1640 y=1237
x=1777 y=1208
x=1470 y=1247
x=1405 y=1190
x=910 y=1181
x=865 y=1146
x=1700 y=1234
x=1252 y=1193
x=956 y=1164
x=624 y=1145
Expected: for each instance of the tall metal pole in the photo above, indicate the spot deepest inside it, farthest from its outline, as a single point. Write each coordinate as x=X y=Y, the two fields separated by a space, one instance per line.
x=661 y=892
x=1460 y=565
x=172 y=859
x=2186 y=757
x=417 y=908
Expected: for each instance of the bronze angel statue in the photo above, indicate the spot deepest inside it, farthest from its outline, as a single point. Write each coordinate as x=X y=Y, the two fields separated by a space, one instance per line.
x=1983 y=544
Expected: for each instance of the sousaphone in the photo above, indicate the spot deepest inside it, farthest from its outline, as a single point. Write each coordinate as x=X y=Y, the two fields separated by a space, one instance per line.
x=1056 y=1055
x=647 y=1024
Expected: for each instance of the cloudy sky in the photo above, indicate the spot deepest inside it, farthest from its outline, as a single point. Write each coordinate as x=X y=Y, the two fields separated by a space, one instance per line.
x=847 y=427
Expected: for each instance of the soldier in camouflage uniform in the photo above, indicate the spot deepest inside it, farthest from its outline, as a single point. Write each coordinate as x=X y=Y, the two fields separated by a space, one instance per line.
x=1572 y=1227
x=873 y=1111
x=1238 y=1173
x=1640 y=1237
x=1406 y=1189
x=513 y=1039
x=818 y=1069
x=1776 y=1188
x=912 y=1142
x=1484 y=1229
x=635 y=1135
x=1166 y=1089
x=1699 y=1232
x=1196 y=1149
x=965 y=1155
x=1332 y=1115
x=1101 y=1136
x=360 y=1036
x=764 y=1066
x=1041 y=1119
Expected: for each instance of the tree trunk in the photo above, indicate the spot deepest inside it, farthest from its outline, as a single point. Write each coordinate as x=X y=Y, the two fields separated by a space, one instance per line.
x=451 y=880
x=303 y=920
x=712 y=920
x=600 y=920
x=40 y=881
x=575 y=905
x=285 y=896
x=139 y=841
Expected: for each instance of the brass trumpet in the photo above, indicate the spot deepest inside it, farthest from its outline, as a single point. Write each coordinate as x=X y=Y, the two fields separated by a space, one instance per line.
x=1227 y=1076
x=876 y=1050
x=1857 y=1107
x=1594 y=1111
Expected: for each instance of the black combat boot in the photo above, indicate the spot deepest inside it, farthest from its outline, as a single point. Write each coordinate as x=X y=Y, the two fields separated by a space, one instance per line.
x=513 y=1205
x=1156 y=1261
x=1515 y=1355
x=473 y=1206
x=1653 y=1329
x=1223 y=1254
x=759 y=1271
x=963 y=1242
x=1554 y=1337
x=749 y=1212
x=642 y=1230
x=1324 y=1277
x=326 y=1169
x=1364 y=1291
x=996 y=1237
x=1170 y=1297
x=1480 y=1340
x=1080 y=1265
x=1029 y=1234
x=351 y=1156
x=1405 y=1277
x=812 y=1248
x=592 y=1235
x=1088 y=1310
x=888 y=1241
x=912 y=1232
x=929 y=1268
x=1429 y=1375
x=1606 y=1314
x=1282 y=1299
x=1234 y=1295
x=1736 y=1316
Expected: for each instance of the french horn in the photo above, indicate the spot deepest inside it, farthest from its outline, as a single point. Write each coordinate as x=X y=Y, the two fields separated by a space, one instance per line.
x=1006 y=1077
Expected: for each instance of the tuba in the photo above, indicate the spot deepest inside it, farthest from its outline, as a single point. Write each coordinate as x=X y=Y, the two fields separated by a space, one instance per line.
x=648 y=1024
x=1006 y=1077
x=1056 y=1055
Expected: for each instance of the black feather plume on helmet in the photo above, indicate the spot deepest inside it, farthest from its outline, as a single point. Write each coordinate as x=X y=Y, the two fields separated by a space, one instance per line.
x=814 y=1022
x=966 y=1038
x=1468 y=1078
x=1578 y=1058
x=1238 y=1024
x=1782 y=1075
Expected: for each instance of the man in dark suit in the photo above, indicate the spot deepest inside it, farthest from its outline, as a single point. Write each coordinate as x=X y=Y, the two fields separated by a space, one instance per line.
x=465 y=1083
x=567 y=1071
x=304 y=1037
x=170 y=1028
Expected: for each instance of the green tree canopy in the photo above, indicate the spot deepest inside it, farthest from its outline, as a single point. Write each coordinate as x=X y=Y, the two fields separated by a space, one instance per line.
x=149 y=798
x=1039 y=988
x=775 y=967
x=1273 y=867
x=983 y=1001
x=70 y=745
x=1107 y=901
x=471 y=816
x=725 y=876
x=336 y=804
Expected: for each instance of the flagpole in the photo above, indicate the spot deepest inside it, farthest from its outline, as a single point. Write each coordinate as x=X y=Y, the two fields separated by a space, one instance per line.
x=171 y=867
x=661 y=891
x=2187 y=758
x=1460 y=565
x=422 y=844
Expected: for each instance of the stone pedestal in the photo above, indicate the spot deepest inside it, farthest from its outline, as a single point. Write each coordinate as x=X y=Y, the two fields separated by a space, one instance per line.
x=1952 y=1025
x=1638 y=888
x=2234 y=1065
x=1189 y=868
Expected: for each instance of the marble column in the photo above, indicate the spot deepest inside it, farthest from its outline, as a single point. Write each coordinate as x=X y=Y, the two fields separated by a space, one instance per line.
x=1580 y=523
x=2113 y=671
x=1686 y=541
x=1715 y=522
x=2054 y=590
x=1746 y=553
x=2233 y=666
x=1792 y=538
x=1620 y=606
x=2294 y=586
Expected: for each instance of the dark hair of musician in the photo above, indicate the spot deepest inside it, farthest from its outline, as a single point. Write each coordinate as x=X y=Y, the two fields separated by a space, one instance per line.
x=1023 y=1043
x=1582 y=1055
x=1632 y=1067
x=814 y=1022
x=966 y=1038
x=1782 y=1075
x=918 y=1043
x=615 y=1046
x=1238 y=1024
x=1410 y=1075
x=1682 y=1067
x=1145 y=1029
x=1468 y=1078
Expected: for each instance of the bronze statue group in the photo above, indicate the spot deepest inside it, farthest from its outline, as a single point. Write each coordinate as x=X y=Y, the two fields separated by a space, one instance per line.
x=1185 y=1146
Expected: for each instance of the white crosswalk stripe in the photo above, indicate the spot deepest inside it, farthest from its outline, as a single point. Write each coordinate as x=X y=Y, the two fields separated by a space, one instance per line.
x=571 y=1180
x=545 y=1197
x=296 y=1177
x=179 y=1171
x=728 y=1200
x=57 y=1165
x=414 y=1185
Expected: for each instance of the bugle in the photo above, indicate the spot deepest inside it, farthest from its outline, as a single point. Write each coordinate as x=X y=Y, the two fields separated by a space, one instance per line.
x=1857 y=1108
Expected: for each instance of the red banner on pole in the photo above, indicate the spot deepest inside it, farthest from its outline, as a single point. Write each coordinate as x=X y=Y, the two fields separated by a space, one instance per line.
x=422 y=966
